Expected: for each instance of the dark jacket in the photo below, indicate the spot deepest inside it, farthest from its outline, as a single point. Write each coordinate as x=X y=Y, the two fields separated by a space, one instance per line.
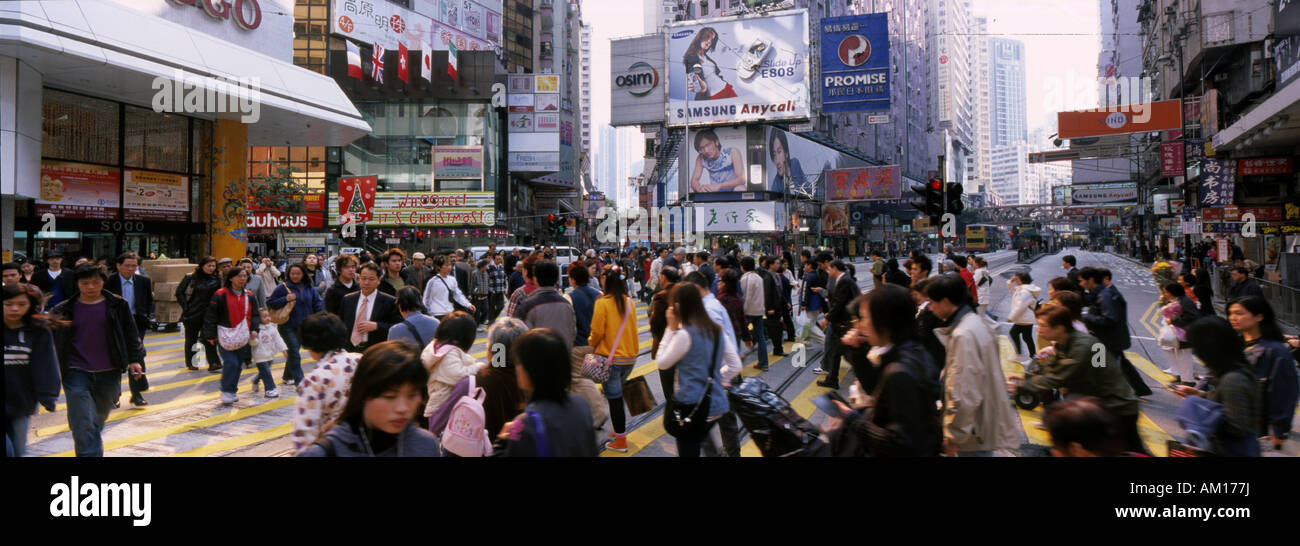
x=383 y=312
x=1244 y=288
x=196 y=305
x=838 y=315
x=345 y=442
x=306 y=302
x=1073 y=275
x=772 y=300
x=659 y=317
x=1276 y=369
x=735 y=307
x=547 y=308
x=143 y=292
x=896 y=276
x=707 y=270
x=124 y=346
x=567 y=427
x=1189 y=314
x=1072 y=368
x=1107 y=318
x=584 y=305
x=408 y=276
x=41 y=278
x=504 y=399
x=904 y=422
x=810 y=299
x=334 y=296
x=1205 y=297
x=926 y=322
x=218 y=314
x=34 y=377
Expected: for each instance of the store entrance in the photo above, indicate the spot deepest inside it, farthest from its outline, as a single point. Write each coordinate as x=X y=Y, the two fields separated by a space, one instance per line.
x=150 y=245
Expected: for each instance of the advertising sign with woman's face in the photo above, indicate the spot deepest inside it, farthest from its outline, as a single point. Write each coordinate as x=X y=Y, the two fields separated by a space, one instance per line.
x=717 y=160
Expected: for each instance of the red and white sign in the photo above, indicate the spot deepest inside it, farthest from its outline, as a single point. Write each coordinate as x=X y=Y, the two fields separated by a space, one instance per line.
x=1263 y=166
x=357 y=196
x=1231 y=213
x=279 y=220
x=863 y=183
x=402 y=70
x=1262 y=214
x=1172 y=159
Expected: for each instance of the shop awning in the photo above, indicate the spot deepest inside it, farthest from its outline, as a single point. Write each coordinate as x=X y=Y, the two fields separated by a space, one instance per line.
x=1274 y=124
x=110 y=51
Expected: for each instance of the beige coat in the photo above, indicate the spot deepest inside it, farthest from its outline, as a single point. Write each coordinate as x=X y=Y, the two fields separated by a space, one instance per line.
x=444 y=372
x=586 y=388
x=977 y=413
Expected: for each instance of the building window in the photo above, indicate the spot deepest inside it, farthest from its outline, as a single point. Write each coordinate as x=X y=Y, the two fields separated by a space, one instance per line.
x=78 y=128
x=311 y=34
x=155 y=140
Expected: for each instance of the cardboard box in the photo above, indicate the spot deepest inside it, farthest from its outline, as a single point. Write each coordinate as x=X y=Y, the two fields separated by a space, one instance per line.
x=169 y=273
x=169 y=261
x=166 y=312
x=165 y=291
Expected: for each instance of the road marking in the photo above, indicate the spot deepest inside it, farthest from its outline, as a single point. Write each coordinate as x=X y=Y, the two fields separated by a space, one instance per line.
x=186 y=383
x=238 y=442
x=1148 y=368
x=1033 y=434
x=231 y=415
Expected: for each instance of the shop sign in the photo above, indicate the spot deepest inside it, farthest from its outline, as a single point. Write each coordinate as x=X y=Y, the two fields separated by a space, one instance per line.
x=397 y=208
x=1264 y=166
x=279 y=220
x=156 y=196
x=76 y=190
x=1262 y=214
x=1218 y=182
x=464 y=162
x=1172 y=159
x=1290 y=228
x=1089 y=212
x=855 y=63
x=247 y=13
x=863 y=183
x=835 y=219
x=304 y=244
x=1122 y=193
x=749 y=217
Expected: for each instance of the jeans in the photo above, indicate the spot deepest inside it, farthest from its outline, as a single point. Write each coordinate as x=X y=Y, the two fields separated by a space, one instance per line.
x=16 y=436
x=292 y=360
x=1026 y=332
x=760 y=338
x=617 y=377
x=496 y=302
x=192 y=331
x=231 y=366
x=90 y=398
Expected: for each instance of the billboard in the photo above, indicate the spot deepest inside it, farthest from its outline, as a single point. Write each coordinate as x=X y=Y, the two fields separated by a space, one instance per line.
x=747 y=217
x=864 y=183
x=835 y=219
x=636 y=78
x=457 y=162
x=1165 y=115
x=152 y=195
x=75 y=190
x=855 y=63
x=448 y=208
x=717 y=161
x=1086 y=194
x=736 y=70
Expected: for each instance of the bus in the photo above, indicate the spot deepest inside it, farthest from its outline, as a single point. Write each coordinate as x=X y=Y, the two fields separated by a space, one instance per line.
x=982 y=237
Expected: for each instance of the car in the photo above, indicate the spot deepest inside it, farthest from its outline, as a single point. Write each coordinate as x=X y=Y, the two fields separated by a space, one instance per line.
x=753 y=58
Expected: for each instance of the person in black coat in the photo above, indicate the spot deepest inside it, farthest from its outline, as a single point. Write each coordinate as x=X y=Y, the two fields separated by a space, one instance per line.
x=903 y=420
x=141 y=304
x=1204 y=292
x=838 y=321
x=1107 y=319
x=773 y=303
x=1242 y=285
x=52 y=277
x=194 y=293
x=345 y=283
x=926 y=322
x=383 y=313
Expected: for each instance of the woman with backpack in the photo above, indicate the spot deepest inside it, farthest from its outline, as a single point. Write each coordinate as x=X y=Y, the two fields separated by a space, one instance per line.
x=555 y=422
x=1232 y=386
x=613 y=322
x=1024 y=301
x=903 y=420
x=1267 y=351
x=230 y=322
x=447 y=359
x=325 y=389
x=379 y=418
x=194 y=293
x=299 y=292
x=31 y=365
x=693 y=347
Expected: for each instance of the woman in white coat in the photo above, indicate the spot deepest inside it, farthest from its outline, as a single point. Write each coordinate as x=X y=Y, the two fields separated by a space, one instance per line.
x=1024 y=300
x=983 y=286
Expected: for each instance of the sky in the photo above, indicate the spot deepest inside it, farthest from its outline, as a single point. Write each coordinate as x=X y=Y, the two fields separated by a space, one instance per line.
x=1061 y=43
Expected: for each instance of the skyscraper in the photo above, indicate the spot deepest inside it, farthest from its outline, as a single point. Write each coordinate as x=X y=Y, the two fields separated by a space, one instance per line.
x=951 y=109
x=1007 y=92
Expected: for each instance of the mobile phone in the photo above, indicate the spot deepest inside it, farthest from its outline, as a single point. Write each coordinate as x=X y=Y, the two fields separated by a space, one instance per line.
x=825 y=403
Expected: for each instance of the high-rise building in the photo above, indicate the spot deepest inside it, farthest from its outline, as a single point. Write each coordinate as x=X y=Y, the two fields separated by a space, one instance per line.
x=658 y=14
x=607 y=162
x=1009 y=166
x=979 y=172
x=585 y=100
x=517 y=48
x=1007 y=108
x=1120 y=61
x=948 y=30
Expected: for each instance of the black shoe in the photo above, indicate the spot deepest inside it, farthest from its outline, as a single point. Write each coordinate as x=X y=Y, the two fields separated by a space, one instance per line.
x=778 y=354
x=139 y=400
x=117 y=403
x=829 y=385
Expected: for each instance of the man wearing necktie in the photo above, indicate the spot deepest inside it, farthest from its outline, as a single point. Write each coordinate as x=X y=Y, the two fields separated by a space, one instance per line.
x=137 y=290
x=368 y=313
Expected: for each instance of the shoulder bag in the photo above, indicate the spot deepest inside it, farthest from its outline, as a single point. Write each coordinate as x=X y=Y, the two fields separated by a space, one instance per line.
x=454 y=305
x=283 y=314
x=596 y=367
x=685 y=421
x=414 y=332
x=233 y=338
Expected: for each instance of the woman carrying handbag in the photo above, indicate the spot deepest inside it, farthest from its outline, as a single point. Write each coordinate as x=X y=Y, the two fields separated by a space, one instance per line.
x=228 y=324
x=614 y=336
x=693 y=345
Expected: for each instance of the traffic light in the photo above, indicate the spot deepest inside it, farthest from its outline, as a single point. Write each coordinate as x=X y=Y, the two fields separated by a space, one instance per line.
x=930 y=202
x=953 y=197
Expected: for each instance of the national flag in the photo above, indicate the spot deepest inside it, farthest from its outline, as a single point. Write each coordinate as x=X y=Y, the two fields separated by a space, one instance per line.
x=451 y=61
x=426 y=63
x=402 y=69
x=377 y=64
x=354 y=60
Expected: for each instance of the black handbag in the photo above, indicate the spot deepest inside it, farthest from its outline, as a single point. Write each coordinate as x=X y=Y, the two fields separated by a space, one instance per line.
x=455 y=306
x=686 y=421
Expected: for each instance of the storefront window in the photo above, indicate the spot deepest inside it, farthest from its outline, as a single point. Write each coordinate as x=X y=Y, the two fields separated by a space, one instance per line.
x=398 y=150
x=201 y=140
x=78 y=128
x=156 y=140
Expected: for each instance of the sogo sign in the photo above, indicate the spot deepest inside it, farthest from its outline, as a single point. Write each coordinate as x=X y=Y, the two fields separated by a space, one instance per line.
x=248 y=14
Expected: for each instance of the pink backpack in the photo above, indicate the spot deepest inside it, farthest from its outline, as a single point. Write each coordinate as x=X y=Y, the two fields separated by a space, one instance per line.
x=466 y=432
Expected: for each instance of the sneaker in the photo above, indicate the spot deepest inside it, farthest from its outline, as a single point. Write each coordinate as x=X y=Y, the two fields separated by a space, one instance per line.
x=820 y=371
x=228 y=398
x=273 y=393
x=619 y=443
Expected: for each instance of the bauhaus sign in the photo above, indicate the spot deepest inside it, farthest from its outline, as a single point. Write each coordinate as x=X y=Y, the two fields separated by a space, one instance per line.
x=640 y=79
x=855 y=63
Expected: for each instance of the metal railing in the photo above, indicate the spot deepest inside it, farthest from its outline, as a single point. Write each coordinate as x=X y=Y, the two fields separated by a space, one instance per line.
x=1285 y=300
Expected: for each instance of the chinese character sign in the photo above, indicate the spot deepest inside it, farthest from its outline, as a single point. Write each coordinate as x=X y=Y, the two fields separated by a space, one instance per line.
x=1218 y=182
x=741 y=217
x=1264 y=166
x=1172 y=159
x=863 y=183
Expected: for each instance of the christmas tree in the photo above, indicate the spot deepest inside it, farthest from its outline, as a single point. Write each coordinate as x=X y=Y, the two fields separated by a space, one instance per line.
x=357 y=207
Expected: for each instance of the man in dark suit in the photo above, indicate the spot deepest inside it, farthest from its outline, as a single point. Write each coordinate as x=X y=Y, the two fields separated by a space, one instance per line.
x=54 y=280
x=137 y=290
x=1107 y=318
x=1068 y=263
x=838 y=321
x=368 y=313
